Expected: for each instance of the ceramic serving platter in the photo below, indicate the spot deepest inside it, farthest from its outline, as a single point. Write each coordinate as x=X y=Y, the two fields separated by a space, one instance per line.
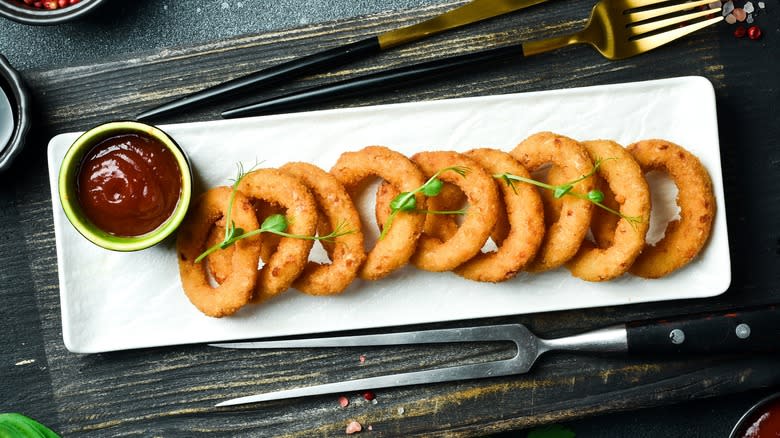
x=114 y=301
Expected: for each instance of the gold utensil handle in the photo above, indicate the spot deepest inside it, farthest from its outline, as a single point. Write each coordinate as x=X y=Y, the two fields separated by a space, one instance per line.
x=472 y=12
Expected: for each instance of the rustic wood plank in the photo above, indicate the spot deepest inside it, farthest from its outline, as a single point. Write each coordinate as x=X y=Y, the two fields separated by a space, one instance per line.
x=171 y=391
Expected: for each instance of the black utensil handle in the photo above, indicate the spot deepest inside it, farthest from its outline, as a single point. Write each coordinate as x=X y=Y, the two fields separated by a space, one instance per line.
x=272 y=75
x=376 y=81
x=741 y=331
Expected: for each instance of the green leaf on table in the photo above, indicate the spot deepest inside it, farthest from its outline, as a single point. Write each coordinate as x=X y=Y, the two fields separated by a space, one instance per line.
x=18 y=425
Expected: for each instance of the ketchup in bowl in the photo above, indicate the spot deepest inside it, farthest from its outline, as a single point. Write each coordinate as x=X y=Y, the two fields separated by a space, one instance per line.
x=129 y=184
x=125 y=186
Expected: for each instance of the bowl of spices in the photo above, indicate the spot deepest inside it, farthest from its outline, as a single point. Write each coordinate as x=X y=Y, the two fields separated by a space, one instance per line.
x=125 y=186
x=14 y=114
x=45 y=12
x=760 y=421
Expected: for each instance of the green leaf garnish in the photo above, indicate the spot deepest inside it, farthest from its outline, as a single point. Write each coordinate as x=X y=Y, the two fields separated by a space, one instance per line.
x=406 y=201
x=274 y=224
x=594 y=196
x=560 y=191
x=230 y=227
x=433 y=188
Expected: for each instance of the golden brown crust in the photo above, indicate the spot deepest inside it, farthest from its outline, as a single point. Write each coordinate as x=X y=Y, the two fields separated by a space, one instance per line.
x=440 y=226
x=434 y=255
x=337 y=209
x=685 y=238
x=219 y=262
x=394 y=250
x=629 y=189
x=530 y=233
x=237 y=288
x=291 y=255
x=523 y=212
x=564 y=236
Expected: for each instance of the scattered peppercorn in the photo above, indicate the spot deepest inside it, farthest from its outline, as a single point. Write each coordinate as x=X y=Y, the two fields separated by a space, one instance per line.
x=368 y=395
x=754 y=32
x=353 y=427
x=737 y=11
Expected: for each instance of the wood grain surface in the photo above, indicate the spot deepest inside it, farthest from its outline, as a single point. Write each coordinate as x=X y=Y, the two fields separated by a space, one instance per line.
x=171 y=391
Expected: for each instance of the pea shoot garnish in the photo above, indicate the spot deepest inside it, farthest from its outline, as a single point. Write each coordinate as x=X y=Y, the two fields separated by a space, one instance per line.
x=406 y=201
x=274 y=224
x=595 y=196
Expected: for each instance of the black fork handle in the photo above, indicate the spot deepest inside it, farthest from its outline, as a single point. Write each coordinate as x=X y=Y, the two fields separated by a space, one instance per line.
x=272 y=75
x=377 y=81
x=754 y=330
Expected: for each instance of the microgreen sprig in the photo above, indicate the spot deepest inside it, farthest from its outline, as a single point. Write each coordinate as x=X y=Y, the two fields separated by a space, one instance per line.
x=274 y=224
x=230 y=226
x=406 y=201
x=594 y=196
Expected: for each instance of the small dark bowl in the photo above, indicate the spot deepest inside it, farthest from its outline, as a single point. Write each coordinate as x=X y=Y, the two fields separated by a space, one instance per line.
x=16 y=10
x=12 y=86
x=752 y=414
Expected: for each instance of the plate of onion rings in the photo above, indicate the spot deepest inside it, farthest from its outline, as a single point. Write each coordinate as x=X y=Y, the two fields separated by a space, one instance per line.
x=502 y=248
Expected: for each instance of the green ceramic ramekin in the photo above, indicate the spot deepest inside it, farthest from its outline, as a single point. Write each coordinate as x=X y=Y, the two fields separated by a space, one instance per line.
x=68 y=176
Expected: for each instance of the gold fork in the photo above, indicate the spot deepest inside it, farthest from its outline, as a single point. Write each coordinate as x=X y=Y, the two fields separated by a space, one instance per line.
x=622 y=28
x=616 y=28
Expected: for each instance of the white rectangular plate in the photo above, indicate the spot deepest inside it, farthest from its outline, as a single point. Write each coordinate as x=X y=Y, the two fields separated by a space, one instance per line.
x=114 y=301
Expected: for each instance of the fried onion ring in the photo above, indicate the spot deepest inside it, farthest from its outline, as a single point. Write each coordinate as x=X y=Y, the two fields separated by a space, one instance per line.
x=525 y=216
x=685 y=238
x=291 y=255
x=219 y=262
x=440 y=226
x=629 y=189
x=237 y=288
x=398 y=245
x=434 y=255
x=337 y=208
x=564 y=236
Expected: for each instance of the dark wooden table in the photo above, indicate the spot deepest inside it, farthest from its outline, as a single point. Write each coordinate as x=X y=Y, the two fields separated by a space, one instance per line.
x=171 y=391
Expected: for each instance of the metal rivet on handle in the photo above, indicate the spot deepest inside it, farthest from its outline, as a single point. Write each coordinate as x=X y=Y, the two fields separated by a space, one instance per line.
x=743 y=331
x=677 y=336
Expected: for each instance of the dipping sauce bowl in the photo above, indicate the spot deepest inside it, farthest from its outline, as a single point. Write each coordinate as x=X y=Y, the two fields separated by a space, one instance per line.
x=14 y=114
x=760 y=421
x=125 y=186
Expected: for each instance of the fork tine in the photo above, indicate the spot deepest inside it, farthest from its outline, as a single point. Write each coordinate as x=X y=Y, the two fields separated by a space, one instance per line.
x=641 y=29
x=633 y=4
x=516 y=365
x=502 y=332
x=659 y=12
x=651 y=42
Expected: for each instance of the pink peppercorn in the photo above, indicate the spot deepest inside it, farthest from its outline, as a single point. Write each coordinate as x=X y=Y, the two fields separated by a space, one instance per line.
x=353 y=427
x=740 y=31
